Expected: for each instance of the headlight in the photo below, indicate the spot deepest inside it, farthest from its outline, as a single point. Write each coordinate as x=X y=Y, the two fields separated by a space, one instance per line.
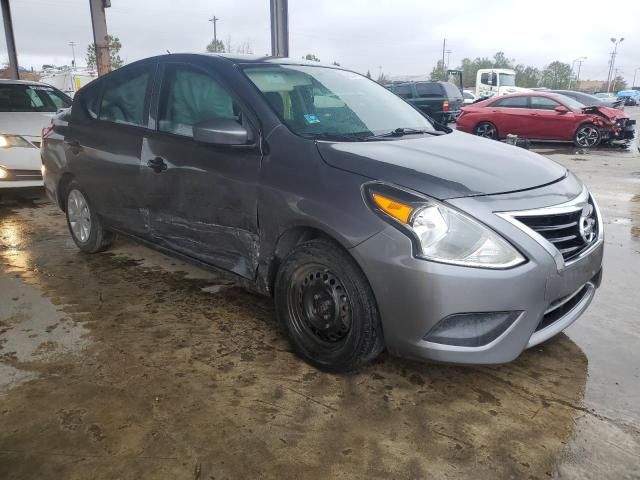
x=3 y=173
x=8 y=141
x=443 y=234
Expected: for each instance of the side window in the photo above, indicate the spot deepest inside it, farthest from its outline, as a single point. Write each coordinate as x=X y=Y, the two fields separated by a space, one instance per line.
x=403 y=91
x=36 y=101
x=90 y=100
x=189 y=97
x=124 y=97
x=543 y=103
x=484 y=78
x=428 y=89
x=511 y=102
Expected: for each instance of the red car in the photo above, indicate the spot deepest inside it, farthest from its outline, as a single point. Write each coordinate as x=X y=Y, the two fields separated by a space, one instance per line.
x=545 y=116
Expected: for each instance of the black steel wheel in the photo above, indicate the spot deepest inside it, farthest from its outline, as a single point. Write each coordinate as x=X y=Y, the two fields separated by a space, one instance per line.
x=328 y=308
x=587 y=136
x=486 y=130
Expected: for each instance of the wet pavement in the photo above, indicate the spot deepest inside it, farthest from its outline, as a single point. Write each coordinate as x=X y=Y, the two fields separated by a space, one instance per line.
x=130 y=364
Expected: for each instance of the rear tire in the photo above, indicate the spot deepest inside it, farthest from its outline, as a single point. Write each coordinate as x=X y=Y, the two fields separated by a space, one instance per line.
x=587 y=136
x=486 y=130
x=83 y=222
x=327 y=305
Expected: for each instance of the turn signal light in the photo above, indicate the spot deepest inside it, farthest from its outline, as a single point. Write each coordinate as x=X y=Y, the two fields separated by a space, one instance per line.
x=397 y=210
x=445 y=106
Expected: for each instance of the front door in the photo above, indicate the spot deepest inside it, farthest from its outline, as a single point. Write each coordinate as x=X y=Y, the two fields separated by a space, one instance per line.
x=546 y=123
x=200 y=199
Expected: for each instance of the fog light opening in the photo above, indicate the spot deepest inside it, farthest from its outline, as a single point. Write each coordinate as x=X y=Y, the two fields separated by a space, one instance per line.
x=471 y=329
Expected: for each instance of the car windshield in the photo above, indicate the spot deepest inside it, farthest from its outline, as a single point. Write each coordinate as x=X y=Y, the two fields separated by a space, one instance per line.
x=31 y=98
x=507 y=80
x=569 y=102
x=321 y=102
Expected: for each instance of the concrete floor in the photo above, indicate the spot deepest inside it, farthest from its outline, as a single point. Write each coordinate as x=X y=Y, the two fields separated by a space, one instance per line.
x=131 y=365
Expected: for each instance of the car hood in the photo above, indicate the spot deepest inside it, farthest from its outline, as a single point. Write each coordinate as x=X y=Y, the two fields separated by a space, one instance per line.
x=446 y=166
x=28 y=124
x=610 y=113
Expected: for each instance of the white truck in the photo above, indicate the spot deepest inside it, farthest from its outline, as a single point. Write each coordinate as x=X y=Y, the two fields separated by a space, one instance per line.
x=68 y=80
x=491 y=82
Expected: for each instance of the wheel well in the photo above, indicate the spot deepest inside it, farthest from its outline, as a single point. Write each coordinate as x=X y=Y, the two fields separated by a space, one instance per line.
x=286 y=243
x=62 y=189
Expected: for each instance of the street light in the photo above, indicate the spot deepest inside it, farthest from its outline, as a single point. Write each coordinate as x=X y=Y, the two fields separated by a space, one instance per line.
x=633 y=84
x=573 y=64
x=613 y=59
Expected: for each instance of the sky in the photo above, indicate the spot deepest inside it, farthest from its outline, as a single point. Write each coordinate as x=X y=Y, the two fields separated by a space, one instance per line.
x=399 y=37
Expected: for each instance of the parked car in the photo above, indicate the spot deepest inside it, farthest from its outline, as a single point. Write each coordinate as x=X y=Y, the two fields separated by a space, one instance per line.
x=591 y=100
x=25 y=108
x=630 y=98
x=545 y=116
x=469 y=97
x=367 y=224
x=442 y=101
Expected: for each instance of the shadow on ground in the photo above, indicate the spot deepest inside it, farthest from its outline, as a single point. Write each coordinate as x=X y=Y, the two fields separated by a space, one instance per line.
x=172 y=381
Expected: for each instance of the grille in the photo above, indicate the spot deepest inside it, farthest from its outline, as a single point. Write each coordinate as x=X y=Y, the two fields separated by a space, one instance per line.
x=23 y=175
x=570 y=231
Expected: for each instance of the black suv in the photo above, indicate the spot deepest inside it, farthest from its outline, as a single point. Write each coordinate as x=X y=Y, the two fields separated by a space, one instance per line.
x=442 y=101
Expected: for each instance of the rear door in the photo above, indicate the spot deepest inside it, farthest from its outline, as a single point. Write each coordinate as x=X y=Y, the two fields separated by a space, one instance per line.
x=104 y=142
x=546 y=123
x=510 y=115
x=201 y=199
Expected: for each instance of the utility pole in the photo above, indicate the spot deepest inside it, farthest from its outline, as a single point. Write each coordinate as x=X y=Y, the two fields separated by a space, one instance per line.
x=573 y=64
x=614 y=78
x=448 y=52
x=578 y=76
x=612 y=61
x=10 y=39
x=73 y=53
x=214 y=20
x=280 y=28
x=99 y=22
x=444 y=47
x=633 y=84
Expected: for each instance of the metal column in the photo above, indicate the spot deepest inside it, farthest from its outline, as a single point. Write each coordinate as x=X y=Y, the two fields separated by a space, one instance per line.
x=11 y=42
x=280 y=28
x=99 y=23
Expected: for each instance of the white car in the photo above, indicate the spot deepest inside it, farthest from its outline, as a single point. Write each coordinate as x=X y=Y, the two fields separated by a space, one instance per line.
x=469 y=97
x=25 y=109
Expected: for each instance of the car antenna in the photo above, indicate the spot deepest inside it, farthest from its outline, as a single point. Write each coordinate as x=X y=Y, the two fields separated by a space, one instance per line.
x=168 y=52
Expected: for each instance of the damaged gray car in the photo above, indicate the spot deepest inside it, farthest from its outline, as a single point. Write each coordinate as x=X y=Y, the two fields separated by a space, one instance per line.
x=369 y=226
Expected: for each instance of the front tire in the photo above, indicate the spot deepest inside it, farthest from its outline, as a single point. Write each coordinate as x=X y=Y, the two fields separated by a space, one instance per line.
x=587 y=136
x=84 y=224
x=486 y=130
x=327 y=305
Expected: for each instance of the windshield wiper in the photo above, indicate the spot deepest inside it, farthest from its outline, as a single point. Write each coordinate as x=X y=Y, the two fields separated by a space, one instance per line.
x=401 y=132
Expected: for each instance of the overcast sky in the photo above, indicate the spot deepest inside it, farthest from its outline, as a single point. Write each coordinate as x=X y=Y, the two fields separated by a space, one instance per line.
x=400 y=36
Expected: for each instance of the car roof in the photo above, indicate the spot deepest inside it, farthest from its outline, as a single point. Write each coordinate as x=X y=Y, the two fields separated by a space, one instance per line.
x=7 y=81
x=240 y=59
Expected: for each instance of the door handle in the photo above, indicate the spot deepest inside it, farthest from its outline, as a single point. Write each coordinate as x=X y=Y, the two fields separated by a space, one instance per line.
x=157 y=164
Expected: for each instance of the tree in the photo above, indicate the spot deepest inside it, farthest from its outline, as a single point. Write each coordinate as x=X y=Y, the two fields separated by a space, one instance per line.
x=336 y=63
x=311 y=57
x=528 y=77
x=470 y=69
x=114 y=50
x=556 y=75
x=438 y=73
x=368 y=74
x=382 y=79
x=216 y=46
x=619 y=83
x=501 y=61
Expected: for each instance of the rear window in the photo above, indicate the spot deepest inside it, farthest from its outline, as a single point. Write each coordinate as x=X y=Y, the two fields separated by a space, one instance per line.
x=429 y=89
x=452 y=90
x=31 y=98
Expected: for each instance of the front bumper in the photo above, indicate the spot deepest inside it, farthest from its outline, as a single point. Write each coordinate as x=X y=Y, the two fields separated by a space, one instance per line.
x=414 y=295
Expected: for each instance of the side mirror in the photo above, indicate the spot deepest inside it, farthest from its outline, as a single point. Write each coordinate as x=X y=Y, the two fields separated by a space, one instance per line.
x=221 y=131
x=561 y=109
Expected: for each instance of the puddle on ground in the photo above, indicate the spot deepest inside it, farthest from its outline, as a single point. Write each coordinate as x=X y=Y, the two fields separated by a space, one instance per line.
x=173 y=380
